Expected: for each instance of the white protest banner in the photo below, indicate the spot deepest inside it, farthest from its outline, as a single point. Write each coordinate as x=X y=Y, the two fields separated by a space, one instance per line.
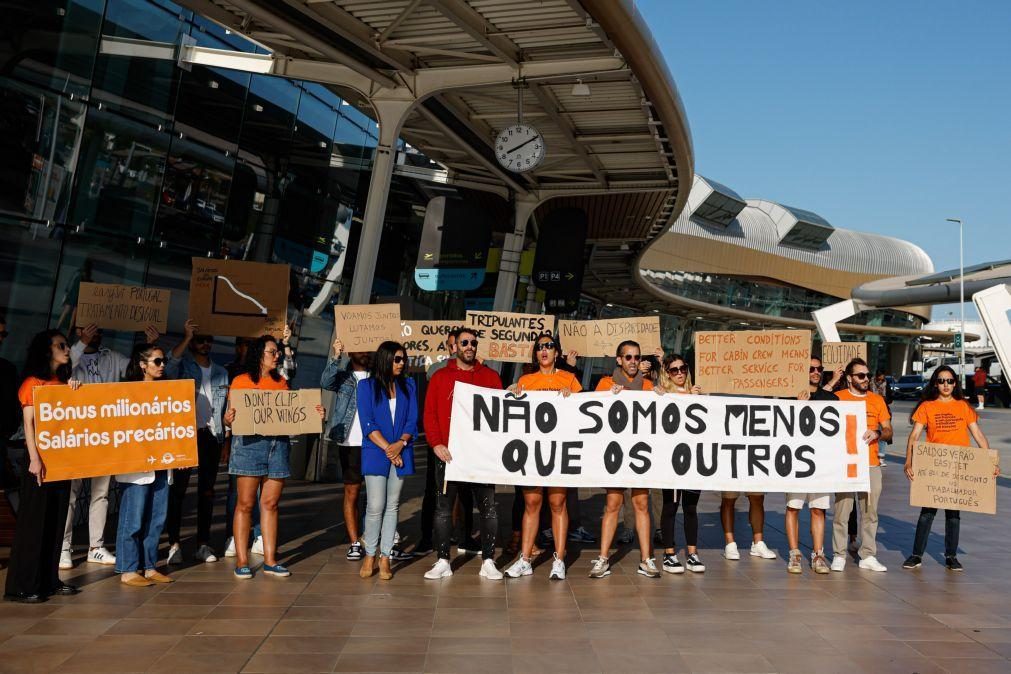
x=600 y=338
x=640 y=439
x=508 y=337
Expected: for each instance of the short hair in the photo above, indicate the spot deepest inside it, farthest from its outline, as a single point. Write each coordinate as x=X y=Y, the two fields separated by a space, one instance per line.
x=454 y=333
x=817 y=358
x=853 y=363
x=627 y=342
x=460 y=331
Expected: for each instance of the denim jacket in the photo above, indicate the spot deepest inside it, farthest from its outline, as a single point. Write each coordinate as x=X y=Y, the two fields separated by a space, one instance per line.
x=342 y=381
x=187 y=368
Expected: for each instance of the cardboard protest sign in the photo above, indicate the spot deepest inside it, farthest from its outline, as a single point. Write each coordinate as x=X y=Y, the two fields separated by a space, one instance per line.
x=363 y=327
x=753 y=362
x=110 y=429
x=232 y=298
x=949 y=476
x=639 y=439
x=835 y=355
x=266 y=412
x=600 y=338
x=119 y=307
x=508 y=337
x=425 y=341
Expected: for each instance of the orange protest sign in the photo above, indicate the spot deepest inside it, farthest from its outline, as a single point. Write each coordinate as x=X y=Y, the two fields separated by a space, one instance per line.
x=753 y=362
x=110 y=429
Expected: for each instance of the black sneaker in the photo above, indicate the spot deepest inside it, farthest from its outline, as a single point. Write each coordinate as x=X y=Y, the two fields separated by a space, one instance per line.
x=423 y=548
x=354 y=551
x=953 y=564
x=400 y=555
x=695 y=564
x=671 y=564
x=912 y=562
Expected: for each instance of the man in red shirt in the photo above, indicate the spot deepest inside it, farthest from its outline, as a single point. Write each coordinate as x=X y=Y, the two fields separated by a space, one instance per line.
x=438 y=408
x=979 y=384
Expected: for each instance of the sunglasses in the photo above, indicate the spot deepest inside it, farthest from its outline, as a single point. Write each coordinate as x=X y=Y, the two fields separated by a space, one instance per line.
x=861 y=375
x=203 y=339
x=62 y=346
x=398 y=359
x=468 y=342
x=678 y=369
x=817 y=368
x=629 y=356
x=945 y=381
x=157 y=362
x=546 y=346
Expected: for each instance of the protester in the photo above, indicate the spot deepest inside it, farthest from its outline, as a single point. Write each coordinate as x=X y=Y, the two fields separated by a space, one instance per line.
x=879 y=427
x=817 y=503
x=260 y=463
x=346 y=432
x=949 y=420
x=675 y=378
x=438 y=412
x=94 y=364
x=144 y=496
x=191 y=359
x=627 y=376
x=33 y=573
x=978 y=385
x=388 y=413
x=545 y=357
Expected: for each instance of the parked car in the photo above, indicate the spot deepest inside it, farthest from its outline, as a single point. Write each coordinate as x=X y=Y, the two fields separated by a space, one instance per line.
x=908 y=387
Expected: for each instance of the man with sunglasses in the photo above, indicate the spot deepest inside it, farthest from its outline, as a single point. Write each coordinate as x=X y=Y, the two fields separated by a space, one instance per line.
x=879 y=427
x=191 y=359
x=438 y=409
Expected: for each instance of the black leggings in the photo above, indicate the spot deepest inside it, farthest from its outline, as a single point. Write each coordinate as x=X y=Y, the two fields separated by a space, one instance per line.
x=484 y=494
x=689 y=500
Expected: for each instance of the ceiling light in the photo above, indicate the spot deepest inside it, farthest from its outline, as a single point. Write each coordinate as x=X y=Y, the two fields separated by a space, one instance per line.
x=213 y=84
x=257 y=107
x=580 y=89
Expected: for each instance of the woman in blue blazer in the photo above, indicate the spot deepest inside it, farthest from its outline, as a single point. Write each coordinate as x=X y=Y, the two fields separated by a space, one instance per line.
x=388 y=413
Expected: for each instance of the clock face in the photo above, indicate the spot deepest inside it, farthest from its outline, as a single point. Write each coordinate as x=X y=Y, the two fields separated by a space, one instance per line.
x=519 y=148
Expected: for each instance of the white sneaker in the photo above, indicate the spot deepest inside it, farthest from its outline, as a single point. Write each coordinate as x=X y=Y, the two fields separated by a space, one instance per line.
x=230 y=547
x=396 y=537
x=838 y=562
x=557 y=568
x=979 y=407
x=206 y=554
x=65 y=561
x=760 y=549
x=175 y=554
x=872 y=564
x=441 y=569
x=489 y=570
x=257 y=548
x=521 y=567
x=731 y=551
x=101 y=556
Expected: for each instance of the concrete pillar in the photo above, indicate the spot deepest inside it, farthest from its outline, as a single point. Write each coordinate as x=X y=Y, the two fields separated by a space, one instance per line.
x=512 y=248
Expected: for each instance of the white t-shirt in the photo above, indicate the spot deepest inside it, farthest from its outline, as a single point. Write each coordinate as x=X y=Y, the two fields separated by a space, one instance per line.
x=89 y=363
x=393 y=409
x=204 y=398
x=354 y=435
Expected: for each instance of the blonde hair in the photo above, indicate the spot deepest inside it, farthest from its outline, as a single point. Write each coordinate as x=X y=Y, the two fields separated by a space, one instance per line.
x=665 y=380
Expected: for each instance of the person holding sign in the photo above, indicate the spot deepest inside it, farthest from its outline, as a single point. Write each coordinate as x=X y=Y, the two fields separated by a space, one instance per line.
x=438 y=410
x=626 y=377
x=33 y=574
x=547 y=376
x=674 y=377
x=879 y=427
x=949 y=420
x=387 y=408
x=143 y=501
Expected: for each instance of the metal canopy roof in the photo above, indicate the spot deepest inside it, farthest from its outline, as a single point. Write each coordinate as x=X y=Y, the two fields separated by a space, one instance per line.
x=462 y=61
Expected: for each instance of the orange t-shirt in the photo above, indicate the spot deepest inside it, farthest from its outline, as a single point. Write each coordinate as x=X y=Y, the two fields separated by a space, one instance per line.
x=265 y=383
x=561 y=379
x=26 y=394
x=606 y=383
x=948 y=422
x=877 y=411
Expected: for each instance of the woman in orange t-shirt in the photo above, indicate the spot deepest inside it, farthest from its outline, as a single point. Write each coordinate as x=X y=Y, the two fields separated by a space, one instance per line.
x=949 y=420
x=33 y=575
x=547 y=377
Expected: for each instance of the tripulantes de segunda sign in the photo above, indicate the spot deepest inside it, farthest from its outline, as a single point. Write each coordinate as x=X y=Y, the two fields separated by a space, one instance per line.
x=641 y=439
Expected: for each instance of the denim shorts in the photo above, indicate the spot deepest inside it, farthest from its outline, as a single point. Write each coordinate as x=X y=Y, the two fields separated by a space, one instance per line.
x=260 y=455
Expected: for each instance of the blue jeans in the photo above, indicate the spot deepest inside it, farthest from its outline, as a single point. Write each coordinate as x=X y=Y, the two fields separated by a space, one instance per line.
x=142 y=509
x=382 y=507
x=233 y=496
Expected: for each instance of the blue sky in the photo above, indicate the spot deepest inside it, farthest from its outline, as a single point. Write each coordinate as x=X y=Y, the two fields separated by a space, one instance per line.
x=884 y=117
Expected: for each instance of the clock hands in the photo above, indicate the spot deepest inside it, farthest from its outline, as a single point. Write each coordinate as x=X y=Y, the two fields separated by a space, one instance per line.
x=522 y=144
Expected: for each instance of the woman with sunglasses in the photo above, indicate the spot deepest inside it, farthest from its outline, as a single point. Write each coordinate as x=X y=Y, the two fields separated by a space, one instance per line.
x=144 y=496
x=33 y=575
x=388 y=414
x=259 y=462
x=675 y=378
x=949 y=420
x=548 y=376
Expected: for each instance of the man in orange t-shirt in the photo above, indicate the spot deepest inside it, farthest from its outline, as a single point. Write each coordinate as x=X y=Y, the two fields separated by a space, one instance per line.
x=879 y=427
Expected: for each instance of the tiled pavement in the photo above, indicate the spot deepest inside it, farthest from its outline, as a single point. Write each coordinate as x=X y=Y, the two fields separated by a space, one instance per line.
x=747 y=616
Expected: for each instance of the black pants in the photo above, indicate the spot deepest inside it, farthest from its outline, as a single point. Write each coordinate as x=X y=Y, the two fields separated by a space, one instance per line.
x=38 y=536
x=208 y=457
x=952 y=523
x=689 y=500
x=518 y=508
x=484 y=494
x=428 y=503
